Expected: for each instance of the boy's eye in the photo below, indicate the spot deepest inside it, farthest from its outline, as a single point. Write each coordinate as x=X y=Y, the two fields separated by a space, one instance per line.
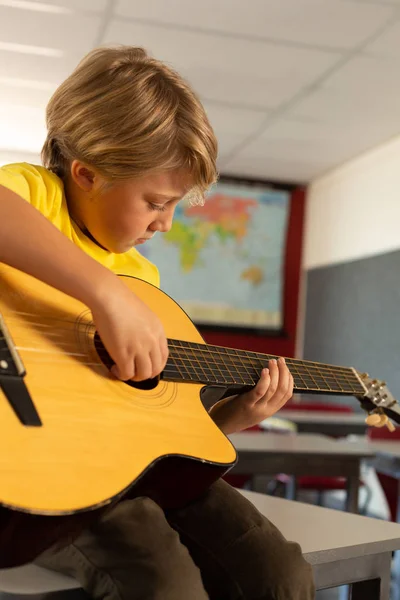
x=159 y=207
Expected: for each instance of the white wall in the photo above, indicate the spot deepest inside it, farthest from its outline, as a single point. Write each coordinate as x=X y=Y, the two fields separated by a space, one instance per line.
x=354 y=211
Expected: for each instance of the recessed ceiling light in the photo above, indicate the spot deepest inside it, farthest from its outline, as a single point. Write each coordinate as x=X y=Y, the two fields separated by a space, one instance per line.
x=27 y=83
x=38 y=6
x=25 y=49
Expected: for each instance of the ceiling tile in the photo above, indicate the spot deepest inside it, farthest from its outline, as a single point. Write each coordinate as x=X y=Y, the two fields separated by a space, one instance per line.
x=385 y=2
x=227 y=70
x=227 y=119
x=387 y=44
x=232 y=125
x=314 y=145
x=332 y=23
x=258 y=167
x=365 y=72
x=25 y=95
x=290 y=139
x=41 y=68
x=87 y=5
x=22 y=128
x=365 y=91
x=227 y=142
x=49 y=30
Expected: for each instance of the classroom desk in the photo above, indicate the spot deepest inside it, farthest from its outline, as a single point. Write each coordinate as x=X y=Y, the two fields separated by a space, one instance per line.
x=301 y=454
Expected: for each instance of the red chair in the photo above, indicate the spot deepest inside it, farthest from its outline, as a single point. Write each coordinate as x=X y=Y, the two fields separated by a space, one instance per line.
x=389 y=484
x=317 y=406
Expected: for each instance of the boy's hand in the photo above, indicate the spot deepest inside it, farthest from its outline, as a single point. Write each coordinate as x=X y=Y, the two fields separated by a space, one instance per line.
x=132 y=334
x=272 y=391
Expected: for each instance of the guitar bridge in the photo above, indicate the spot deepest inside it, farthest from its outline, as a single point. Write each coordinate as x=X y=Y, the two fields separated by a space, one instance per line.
x=12 y=383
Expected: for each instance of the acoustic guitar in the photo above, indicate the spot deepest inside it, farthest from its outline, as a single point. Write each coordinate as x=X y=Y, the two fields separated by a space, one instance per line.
x=74 y=440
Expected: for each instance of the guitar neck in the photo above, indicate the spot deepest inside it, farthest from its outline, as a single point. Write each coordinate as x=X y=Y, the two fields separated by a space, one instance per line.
x=216 y=365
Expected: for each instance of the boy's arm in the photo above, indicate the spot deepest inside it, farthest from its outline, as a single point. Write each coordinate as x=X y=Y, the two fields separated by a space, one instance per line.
x=131 y=332
x=30 y=243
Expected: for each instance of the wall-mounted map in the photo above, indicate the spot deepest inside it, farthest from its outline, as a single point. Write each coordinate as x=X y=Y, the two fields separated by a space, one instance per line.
x=223 y=262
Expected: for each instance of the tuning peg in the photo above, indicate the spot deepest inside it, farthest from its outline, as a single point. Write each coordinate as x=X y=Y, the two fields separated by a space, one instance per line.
x=379 y=420
x=364 y=375
x=390 y=426
x=373 y=420
x=384 y=421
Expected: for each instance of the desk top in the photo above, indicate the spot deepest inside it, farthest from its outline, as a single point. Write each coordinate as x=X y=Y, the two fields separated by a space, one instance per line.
x=326 y=535
x=388 y=447
x=299 y=443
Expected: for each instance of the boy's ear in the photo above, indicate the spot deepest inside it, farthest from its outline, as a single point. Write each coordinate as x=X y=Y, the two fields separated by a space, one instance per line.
x=84 y=176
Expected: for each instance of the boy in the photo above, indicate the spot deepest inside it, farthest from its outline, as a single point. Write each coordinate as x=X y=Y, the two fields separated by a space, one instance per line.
x=127 y=140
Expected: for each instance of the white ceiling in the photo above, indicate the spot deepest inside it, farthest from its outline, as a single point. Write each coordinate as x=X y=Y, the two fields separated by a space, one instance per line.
x=292 y=87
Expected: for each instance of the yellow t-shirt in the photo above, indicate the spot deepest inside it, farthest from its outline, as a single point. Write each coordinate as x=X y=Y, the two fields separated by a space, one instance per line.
x=45 y=191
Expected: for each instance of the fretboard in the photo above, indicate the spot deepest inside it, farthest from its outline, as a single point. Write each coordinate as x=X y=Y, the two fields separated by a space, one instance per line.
x=216 y=365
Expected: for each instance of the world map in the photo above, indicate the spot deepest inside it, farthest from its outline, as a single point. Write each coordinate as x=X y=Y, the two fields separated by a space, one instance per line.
x=223 y=261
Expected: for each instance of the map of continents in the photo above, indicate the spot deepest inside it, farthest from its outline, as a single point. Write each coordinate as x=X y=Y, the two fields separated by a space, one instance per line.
x=223 y=262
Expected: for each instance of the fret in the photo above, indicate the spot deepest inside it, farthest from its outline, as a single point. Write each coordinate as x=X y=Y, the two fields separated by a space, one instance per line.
x=237 y=373
x=228 y=366
x=298 y=379
x=249 y=376
x=220 y=372
x=176 y=368
x=184 y=366
x=311 y=380
x=201 y=373
x=197 y=370
x=187 y=361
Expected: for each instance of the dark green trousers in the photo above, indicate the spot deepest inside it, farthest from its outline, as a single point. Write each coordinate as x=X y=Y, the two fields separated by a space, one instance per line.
x=218 y=548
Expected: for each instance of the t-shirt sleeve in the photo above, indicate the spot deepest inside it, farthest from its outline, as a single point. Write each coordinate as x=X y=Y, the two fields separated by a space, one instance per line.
x=34 y=184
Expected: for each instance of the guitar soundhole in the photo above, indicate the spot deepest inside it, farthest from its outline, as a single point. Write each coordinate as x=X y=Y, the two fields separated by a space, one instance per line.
x=148 y=384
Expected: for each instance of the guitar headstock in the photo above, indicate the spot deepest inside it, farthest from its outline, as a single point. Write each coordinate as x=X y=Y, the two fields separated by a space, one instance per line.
x=378 y=402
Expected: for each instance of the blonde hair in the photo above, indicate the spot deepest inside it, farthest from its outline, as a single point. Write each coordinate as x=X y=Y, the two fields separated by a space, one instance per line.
x=127 y=114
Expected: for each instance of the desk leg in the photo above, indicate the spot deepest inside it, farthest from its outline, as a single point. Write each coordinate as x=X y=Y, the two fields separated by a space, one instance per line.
x=365 y=577
x=353 y=484
x=374 y=589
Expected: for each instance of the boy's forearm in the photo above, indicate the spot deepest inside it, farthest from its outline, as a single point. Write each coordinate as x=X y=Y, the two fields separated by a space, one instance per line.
x=30 y=243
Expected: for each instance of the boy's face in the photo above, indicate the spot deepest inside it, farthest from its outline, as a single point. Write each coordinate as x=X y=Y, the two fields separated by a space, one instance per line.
x=127 y=213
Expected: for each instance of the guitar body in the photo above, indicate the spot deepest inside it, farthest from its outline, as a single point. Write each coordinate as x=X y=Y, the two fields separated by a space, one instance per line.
x=100 y=439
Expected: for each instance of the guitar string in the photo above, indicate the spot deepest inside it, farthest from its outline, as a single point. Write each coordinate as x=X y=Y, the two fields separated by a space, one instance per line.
x=181 y=355
x=246 y=379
